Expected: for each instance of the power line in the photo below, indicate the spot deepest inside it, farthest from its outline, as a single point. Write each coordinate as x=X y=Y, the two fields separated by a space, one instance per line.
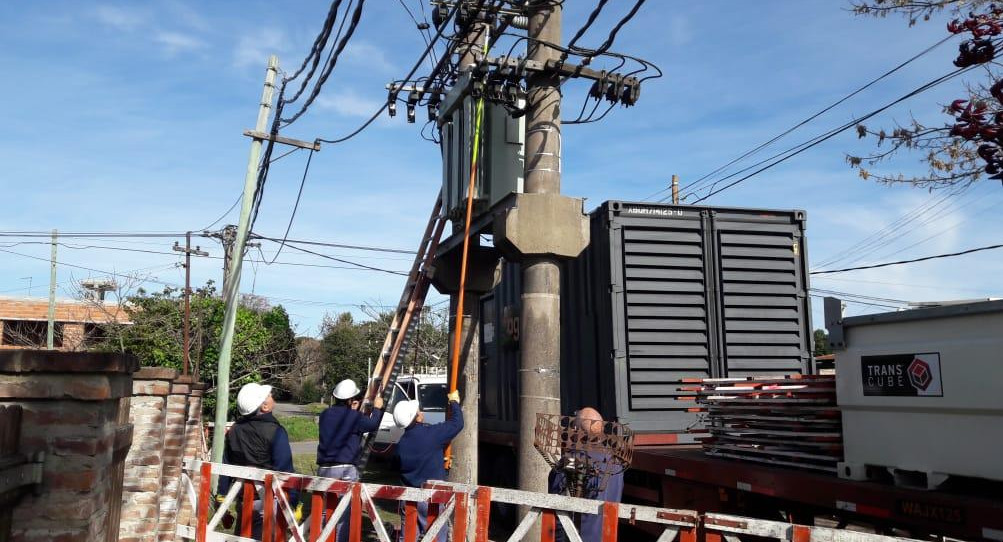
x=296 y=207
x=330 y=63
x=819 y=296
x=222 y=216
x=112 y=236
x=900 y=262
x=410 y=74
x=334 y=245
x=64 y=264
x=812 y=117
x=371 y=268
x=798 y=149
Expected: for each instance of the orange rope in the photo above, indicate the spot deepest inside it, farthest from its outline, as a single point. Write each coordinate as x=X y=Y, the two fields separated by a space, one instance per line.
x=458 y=328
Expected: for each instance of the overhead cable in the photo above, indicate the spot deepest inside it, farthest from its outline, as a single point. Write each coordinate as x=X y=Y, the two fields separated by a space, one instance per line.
x=810 y=118
x=901 y=262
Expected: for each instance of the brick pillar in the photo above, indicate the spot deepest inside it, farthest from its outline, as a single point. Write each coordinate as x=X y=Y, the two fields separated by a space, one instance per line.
x=144 y=466
x=76 y=413
x=194 y=446
x=174 y=448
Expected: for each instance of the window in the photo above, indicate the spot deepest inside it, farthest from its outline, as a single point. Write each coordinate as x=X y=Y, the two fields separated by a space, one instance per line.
x=94 y=334
x=432 y=397
x=31 y=333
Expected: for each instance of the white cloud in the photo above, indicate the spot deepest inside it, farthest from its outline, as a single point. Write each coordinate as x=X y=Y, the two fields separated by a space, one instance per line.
x=363 y=53
x=253 y=50
x=176 y=42
x=116 y=17
x=348 y=103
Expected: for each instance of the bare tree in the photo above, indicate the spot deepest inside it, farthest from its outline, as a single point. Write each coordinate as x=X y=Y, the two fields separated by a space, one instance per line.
x=967 y=148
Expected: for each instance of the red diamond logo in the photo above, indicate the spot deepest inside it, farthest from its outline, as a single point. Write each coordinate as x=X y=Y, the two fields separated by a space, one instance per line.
x=919 y=374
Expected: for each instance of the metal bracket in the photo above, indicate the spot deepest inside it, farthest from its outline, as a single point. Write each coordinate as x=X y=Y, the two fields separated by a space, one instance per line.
x=833 y=311
x=315 y=146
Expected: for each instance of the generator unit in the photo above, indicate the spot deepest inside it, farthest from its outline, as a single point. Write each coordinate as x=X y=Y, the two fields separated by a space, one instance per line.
x=501 y=154
x=919 y=391
x=663 y=294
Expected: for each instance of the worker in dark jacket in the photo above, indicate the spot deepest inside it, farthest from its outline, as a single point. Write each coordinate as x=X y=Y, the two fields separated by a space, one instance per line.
x=256 y=440
x=421 y=449
x=341 y=430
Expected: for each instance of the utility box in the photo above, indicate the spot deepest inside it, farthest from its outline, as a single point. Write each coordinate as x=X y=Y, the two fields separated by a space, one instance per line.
x=662 y=294
x=501 y=155
x=920 y=392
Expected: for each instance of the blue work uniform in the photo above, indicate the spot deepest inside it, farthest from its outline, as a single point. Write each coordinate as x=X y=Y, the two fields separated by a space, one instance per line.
x=341 y=430
x=421 y=449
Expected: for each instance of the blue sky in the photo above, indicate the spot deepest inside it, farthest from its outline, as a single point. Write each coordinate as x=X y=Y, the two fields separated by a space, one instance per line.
x=127 y=116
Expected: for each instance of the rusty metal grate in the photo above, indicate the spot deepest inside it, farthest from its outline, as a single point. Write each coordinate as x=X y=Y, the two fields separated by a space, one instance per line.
x=585 y=452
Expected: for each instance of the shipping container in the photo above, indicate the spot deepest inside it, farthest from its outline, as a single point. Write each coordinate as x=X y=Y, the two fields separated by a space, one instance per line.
x=662 y=294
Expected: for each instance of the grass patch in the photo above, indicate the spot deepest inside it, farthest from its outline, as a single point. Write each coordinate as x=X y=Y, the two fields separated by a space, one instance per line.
x=315 y=408
x=305 y=463
x=300 y=428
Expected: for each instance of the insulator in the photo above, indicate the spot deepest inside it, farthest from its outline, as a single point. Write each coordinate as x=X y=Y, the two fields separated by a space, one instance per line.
x=519 y=21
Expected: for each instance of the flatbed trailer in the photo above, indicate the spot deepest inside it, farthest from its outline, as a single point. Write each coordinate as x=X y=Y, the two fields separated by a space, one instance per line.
x=685 y=477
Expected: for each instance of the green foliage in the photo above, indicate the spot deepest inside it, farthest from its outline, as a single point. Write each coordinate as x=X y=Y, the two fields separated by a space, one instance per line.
x=821 y=343
x=263 y=346
x=300 y=428
x=348 y=346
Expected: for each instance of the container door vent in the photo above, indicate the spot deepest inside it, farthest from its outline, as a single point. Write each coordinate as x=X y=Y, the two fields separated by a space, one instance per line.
x=759 y=296
x=666 y=313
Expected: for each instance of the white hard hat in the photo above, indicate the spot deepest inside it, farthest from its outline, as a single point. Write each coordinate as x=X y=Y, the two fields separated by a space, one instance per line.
x=405 y=412
x=345 y=390
x=251 y=397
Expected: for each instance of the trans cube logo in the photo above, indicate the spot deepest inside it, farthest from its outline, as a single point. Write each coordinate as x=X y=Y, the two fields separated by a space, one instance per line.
x=919 y=374
x=903 y=375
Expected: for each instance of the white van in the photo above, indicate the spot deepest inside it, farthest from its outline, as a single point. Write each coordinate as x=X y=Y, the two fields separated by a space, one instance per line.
x=429 y=390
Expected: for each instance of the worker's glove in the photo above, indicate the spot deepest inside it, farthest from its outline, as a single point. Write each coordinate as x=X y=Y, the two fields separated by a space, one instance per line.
x=454 y=396
x=298 y=513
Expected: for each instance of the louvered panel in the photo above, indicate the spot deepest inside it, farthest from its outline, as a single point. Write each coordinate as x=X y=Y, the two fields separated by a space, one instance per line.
x=758 y=265
x=663 y=273
x=666 y=324
x=761 y=294
x=665 y=286
x=665 y=293
x=674 y=249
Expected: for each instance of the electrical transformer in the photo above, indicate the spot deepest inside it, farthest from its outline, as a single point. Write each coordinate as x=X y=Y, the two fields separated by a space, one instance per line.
x=501 y=155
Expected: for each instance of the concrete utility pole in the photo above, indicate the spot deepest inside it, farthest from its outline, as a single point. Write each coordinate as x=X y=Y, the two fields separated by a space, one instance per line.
x=539 y=375
x=188 y=292
x=675 y=189
x=232 y=282
x=51 y=330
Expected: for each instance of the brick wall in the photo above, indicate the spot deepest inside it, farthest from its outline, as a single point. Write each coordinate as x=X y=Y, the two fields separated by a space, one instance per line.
x=72 y=314
x=166 y=412
x=76 y=413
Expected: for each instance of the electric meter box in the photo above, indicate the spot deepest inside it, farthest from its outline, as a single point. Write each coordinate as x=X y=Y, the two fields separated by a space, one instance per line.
x=501 y=155
x=920 y=391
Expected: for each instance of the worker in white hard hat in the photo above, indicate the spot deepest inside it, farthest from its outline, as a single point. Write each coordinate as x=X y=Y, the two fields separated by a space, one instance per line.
x=342 y=427
x=422 y=447
x=258 y=440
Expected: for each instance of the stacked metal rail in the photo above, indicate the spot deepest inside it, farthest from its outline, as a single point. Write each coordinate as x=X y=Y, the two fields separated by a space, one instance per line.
x=789 y=421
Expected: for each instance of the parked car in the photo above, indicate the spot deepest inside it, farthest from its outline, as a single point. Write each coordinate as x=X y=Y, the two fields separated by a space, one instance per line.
x=429 y=390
